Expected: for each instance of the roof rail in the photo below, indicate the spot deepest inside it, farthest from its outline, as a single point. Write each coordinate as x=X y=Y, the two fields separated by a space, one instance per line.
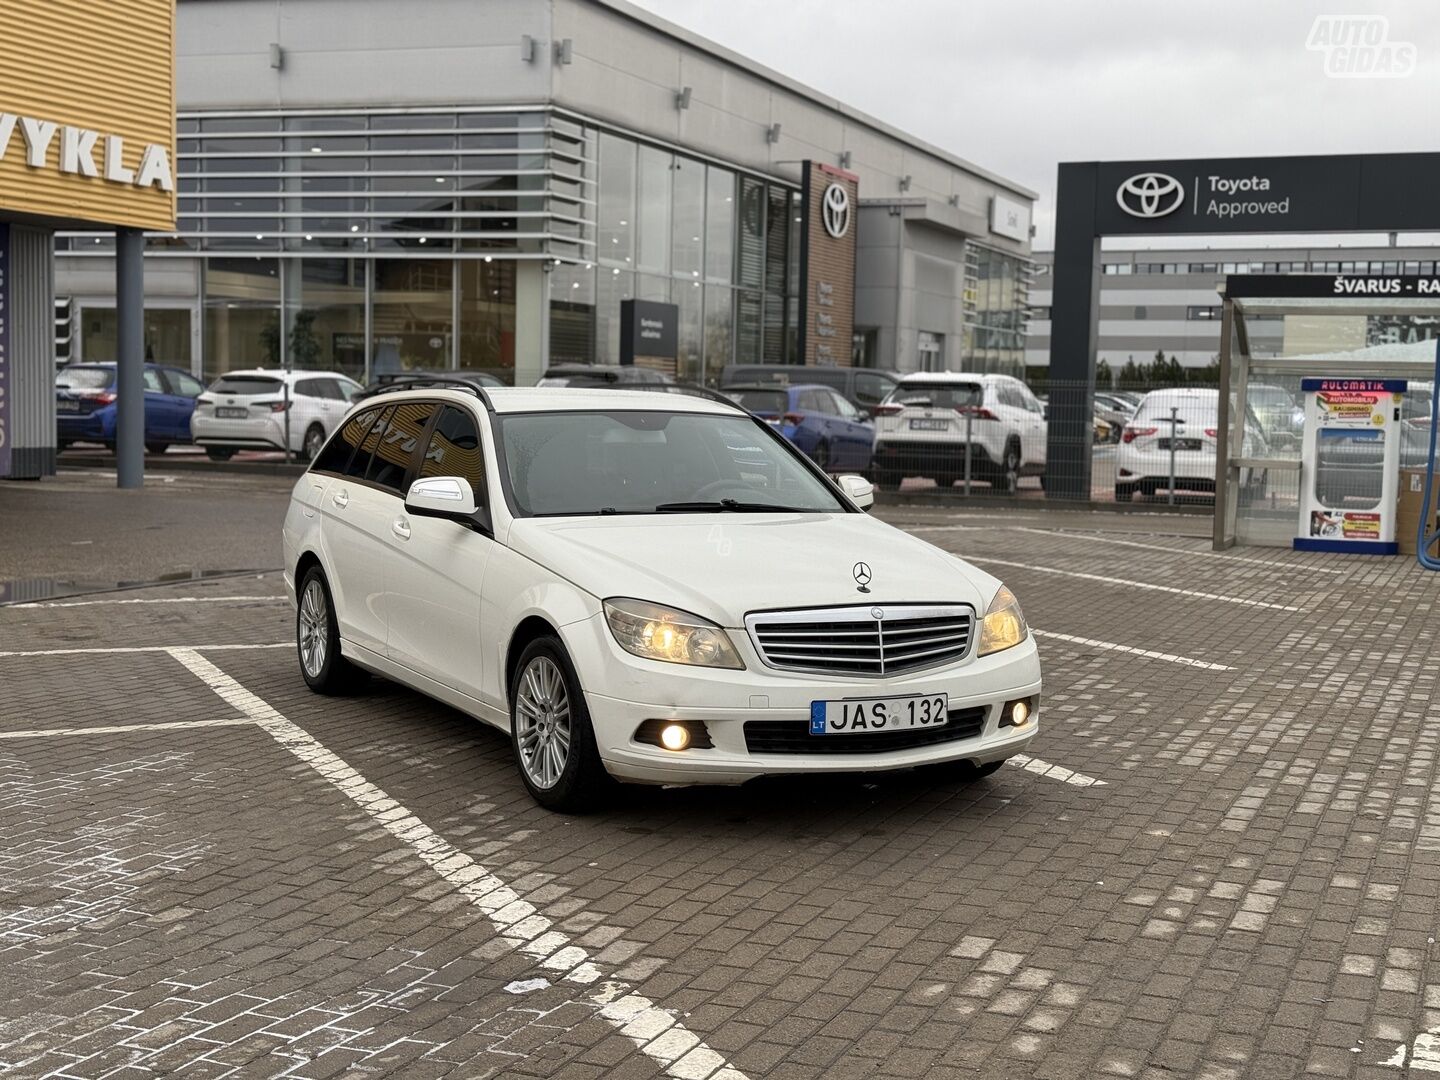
x=695 y=390
x=435 y=382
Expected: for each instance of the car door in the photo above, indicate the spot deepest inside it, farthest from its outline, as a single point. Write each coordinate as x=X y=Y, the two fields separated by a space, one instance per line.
x=307 y=407
x=1039 y=428
x=437 y=567
x=356 y=518
x=854 y=436
x=185 y=388
x=159 y=409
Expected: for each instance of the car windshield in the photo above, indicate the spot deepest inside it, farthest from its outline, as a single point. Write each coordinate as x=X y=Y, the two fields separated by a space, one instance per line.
x=245 y=385
x=568 y=463
x=759 y=401
x=84 y=378
x=939 y=395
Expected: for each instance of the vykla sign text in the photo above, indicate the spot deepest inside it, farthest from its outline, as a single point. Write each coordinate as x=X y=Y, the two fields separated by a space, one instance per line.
x=82 y=152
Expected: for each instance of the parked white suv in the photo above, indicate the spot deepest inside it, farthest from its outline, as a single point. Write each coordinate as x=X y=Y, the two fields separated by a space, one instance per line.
x=251 y=410
x=1188 y=418
x=645 y=587
x=921 y=428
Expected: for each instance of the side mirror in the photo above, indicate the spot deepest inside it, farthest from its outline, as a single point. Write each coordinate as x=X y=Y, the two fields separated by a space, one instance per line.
x=443 y=497
x=860 y=490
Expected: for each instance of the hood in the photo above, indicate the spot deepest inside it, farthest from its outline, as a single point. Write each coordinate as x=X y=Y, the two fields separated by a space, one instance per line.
x=722 y=566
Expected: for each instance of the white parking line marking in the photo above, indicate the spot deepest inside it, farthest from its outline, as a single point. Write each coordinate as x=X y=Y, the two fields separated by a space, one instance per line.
x=657 y=1033
x=144 y=649
x=1054 y=772
x=1071 y=535
x=1242 y=600
x=1148 y=654
x=154 y=600
x=121 y=729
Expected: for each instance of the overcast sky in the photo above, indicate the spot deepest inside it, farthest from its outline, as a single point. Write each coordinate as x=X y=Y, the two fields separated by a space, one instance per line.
x=1019 y=85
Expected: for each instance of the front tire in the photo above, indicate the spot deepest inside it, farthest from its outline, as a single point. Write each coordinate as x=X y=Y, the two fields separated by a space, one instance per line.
x=551 y=733
x=156 y=447
x=317 y=639
x=1124 y=492
x=219 y=453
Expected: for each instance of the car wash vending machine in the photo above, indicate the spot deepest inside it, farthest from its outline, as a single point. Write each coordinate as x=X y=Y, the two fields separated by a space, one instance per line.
x=1350 y=462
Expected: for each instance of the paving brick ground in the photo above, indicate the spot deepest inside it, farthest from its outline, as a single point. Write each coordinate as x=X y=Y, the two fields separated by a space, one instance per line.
x=1251 y=892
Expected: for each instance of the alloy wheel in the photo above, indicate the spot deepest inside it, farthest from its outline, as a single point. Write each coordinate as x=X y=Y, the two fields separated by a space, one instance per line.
x=314 y=628
x=542 y=722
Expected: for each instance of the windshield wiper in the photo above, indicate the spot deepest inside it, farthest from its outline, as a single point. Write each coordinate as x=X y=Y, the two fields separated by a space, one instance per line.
x=731 y=506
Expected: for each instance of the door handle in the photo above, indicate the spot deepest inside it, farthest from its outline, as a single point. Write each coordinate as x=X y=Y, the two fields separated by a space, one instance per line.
x=401 y=528
x=341 y=499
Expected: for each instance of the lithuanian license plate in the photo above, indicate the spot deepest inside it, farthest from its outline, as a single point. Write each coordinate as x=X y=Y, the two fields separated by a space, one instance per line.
x=64 y=405
x=231 y=414
x=855 y=716
x=929 y=425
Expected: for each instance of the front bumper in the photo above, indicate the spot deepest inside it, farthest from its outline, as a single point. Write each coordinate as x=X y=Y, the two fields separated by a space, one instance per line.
x=623 y=691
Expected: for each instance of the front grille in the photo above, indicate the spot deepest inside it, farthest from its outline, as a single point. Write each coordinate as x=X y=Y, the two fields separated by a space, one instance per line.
x=871 y=640
x=793 y=736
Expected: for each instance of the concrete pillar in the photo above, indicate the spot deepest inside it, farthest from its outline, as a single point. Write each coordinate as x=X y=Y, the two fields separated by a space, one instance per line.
x=130 y=358
x=532 y=321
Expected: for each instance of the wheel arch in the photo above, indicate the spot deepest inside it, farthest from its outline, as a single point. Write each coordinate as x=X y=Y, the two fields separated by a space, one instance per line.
x=529 y=629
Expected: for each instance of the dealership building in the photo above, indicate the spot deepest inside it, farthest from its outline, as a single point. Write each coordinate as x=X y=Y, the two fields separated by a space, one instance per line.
x=1167 y=299
x=369 y=186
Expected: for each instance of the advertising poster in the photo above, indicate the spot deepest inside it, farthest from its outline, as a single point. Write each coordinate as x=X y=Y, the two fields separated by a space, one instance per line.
x=1350 y=459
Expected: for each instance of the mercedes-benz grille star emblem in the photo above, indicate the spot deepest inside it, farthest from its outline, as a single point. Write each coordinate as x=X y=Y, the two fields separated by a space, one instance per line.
x=862 y=575
x=835 y=209
x=1150 y=195
x=877 y=613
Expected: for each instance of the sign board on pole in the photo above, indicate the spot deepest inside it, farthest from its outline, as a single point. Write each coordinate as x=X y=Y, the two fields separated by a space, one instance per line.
x=650 y=334
x=1350 y=463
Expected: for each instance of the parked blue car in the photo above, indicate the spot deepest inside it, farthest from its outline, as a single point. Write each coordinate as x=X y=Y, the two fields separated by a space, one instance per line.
x=85 y=405
x=822 y=424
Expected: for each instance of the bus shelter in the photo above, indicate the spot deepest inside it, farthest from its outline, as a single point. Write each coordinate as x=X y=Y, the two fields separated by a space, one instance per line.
x=1283 y=333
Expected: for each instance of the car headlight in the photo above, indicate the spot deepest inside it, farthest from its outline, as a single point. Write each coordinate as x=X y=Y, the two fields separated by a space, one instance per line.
x=655 y=632
x=1003 y=626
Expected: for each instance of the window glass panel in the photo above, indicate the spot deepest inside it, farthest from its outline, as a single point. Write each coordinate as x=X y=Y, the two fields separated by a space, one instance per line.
x=612 y=285
x=336 y=455
x=719 y=330
x=689 y=225
x=328 y=327
x=777 y=235
x=396 y=446
x=454 y=449
x=413 y=318
x=308 y=388
x=572 y=314
x=242 y=314
x=185 y=385
x=689 y=297
x=752 y=233
x=653 y=251
x=153 y=384
x=719 y=225
x=617 y=201
x=372 y=427
x=487 y=317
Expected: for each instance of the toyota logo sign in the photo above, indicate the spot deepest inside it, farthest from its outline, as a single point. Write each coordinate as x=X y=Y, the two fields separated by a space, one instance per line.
x=835 y=210
x=1150 y=195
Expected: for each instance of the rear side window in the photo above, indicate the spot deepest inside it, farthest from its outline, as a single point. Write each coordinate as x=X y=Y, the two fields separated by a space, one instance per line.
x=454 y=449
x=310 y=388
x=338 y=451
x=400 y=434
x=245 y=385
x=871 y=389
x=153 y=382
x=185 y=385
x=816 y=401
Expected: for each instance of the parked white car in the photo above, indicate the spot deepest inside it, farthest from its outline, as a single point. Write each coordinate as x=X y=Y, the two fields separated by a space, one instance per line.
x=645 y=587
x=247 y=410
x=1143 y=459
x=920 y=430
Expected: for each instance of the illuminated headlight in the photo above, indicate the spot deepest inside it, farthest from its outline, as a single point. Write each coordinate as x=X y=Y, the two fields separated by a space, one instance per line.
x=654 y=632
x=1003 y=626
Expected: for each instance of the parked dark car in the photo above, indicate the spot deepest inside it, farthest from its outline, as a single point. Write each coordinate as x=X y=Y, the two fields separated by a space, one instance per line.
x=393 y=378
x=628 y=376
x=85 y=405
x=862 y=387
x=820 y=422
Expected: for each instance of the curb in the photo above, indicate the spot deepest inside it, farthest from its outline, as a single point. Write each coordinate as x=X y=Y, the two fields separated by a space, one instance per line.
x=1040 y=505
x=166 y=464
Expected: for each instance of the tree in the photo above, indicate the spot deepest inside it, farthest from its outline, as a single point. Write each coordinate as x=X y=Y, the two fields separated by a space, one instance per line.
x=1131 y=377
x=305 y=350
x=1104 y=377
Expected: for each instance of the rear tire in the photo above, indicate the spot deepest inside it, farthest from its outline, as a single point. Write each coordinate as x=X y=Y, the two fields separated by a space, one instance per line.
x=887 y=479
x=313 y=444
x=551 y=734
x=1007 y=479
x=1124 y=492
x=156 y=447
x=317 y=639
x=219 y=453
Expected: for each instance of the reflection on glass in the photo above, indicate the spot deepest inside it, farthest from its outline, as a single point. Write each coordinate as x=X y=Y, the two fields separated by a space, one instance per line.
x=487 y=317
x=167 y=335
x=688 y=225
x=413 y=321
x=242 y=314
x=616 y=240
x=653 y=249
x=719 y=225
x=327 y=330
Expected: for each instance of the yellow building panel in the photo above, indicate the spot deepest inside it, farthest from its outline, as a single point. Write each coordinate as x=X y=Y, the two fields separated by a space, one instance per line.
x=87 y=111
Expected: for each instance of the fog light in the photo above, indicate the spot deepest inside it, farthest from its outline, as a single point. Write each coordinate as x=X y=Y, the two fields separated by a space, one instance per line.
x=1020 y=714
x=674 y=737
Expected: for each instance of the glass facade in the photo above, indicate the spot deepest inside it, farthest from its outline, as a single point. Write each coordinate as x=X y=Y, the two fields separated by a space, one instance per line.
x=376 y=241
x=997 y=289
